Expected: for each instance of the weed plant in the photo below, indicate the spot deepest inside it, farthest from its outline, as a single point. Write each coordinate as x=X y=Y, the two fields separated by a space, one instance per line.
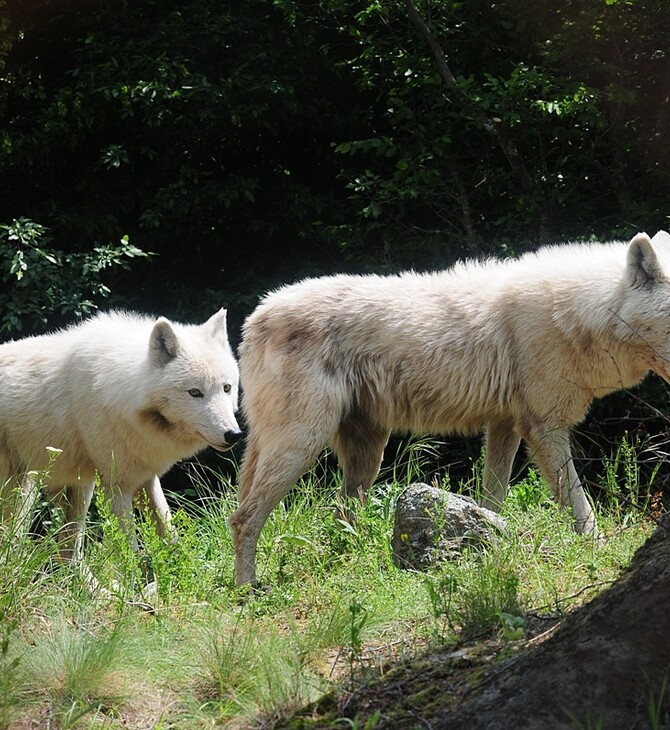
x=162 y=638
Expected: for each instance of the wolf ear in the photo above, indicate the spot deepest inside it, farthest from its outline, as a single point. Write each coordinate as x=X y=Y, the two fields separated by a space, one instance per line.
x=662 y=238
x=163 y=342
x=217 y=325
x=642 y=265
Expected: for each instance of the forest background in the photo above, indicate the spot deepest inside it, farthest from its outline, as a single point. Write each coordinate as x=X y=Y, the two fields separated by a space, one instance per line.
x=248 y=144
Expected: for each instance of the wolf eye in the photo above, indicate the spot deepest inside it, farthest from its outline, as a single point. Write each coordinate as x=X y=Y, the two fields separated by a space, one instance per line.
x=227 y=388
x=196 y=393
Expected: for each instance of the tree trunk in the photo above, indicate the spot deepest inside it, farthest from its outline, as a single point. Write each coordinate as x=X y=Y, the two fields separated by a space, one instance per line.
x=608 y=662
x=606 y=667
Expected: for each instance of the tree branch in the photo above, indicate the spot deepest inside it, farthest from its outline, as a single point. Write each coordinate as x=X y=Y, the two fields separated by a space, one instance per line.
x=495 y=129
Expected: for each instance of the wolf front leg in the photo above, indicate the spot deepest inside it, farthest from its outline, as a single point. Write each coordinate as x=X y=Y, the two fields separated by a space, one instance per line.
x=18 y=496
x=551 y=452
x=151 y=499
x=121 y=506
x=75 y=500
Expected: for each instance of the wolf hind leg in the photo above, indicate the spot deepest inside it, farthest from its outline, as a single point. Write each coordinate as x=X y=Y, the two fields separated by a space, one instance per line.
x=551 y=452
x=248 y=468
x=269 y=469
x=359 y=445
x=502 y=443
x=121 y=506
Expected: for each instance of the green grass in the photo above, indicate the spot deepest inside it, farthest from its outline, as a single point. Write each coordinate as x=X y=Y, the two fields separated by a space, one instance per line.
x=89 y=648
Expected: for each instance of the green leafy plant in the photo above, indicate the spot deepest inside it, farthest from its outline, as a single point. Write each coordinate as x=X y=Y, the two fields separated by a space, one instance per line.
x=442 y=590
x=511 y=625
x=43 y=284
x=358 y=615
x=623 y=491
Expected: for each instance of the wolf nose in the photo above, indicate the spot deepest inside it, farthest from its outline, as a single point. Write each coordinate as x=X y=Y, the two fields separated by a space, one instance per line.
x=233 y=436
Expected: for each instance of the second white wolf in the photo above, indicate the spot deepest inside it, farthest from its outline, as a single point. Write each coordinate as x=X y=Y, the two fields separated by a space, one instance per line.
x=120 y=394
x=518 y=348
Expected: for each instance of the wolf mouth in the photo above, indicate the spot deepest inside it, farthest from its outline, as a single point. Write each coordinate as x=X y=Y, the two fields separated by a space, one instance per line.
x=221 y=446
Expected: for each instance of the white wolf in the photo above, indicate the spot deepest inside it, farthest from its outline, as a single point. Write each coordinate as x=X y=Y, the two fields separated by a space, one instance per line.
x=519 y=348
x=120 y=394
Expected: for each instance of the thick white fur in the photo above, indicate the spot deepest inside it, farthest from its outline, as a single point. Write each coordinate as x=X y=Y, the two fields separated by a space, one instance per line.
x=113 y=394
x=518 y=348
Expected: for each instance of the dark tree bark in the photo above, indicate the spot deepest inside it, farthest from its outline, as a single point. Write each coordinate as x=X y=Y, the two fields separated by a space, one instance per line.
x=608 y=662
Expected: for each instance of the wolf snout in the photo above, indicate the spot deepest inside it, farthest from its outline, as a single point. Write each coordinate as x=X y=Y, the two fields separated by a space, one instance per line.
x=223 y=441
x=232 y=436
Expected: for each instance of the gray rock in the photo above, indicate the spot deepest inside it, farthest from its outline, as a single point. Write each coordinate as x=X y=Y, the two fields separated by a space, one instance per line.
x=433 y=525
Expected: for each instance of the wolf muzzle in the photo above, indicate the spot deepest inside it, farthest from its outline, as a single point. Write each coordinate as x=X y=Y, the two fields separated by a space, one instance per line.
x=231 y=437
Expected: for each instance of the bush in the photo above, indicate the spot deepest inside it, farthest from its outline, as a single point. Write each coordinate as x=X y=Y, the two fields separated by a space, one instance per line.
x=42 y=283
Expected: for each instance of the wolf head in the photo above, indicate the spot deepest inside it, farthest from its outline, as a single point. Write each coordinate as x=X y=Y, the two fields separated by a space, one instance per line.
x=194 y=383
x=644 y=312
